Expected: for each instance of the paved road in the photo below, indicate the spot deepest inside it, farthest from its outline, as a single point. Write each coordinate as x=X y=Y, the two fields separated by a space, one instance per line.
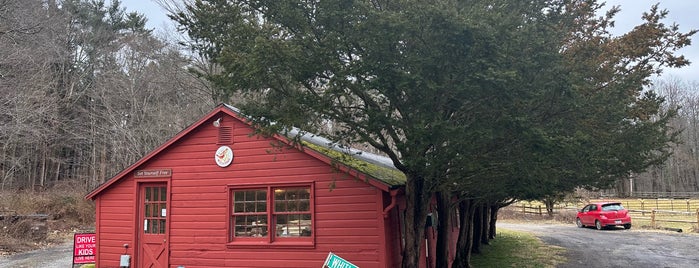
x=54 y=257
x=587 y=247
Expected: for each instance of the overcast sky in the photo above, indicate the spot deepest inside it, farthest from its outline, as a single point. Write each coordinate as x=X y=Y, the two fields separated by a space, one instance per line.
x=683 y=12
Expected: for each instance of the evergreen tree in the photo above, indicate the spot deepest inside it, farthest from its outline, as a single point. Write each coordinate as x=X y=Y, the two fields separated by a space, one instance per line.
x=485 y=99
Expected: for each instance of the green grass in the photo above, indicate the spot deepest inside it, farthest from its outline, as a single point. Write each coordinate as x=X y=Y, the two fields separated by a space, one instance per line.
x=517 y=249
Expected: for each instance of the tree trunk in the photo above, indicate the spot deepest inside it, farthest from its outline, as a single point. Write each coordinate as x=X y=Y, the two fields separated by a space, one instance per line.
x=465 y=242
x=485 y=224
x=549 y=202
x=493 y=220
x=443 y=229
x=417 y=202
x=477 y=228
x=42 y=172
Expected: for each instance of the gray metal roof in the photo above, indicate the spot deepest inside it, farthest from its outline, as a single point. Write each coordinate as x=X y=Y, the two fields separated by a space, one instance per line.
x=326 y=143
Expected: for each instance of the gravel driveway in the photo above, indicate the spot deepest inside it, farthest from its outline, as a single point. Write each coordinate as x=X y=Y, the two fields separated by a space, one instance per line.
x=587 y=247
x=59 y=256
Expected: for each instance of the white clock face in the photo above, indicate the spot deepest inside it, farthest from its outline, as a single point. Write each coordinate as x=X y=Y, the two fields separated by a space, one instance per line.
x=224 y=156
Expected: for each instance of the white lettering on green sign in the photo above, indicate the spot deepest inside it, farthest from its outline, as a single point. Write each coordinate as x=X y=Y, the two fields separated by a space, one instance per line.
x=334 y=261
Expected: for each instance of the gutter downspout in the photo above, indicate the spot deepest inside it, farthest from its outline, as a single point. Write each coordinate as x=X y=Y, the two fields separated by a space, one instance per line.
x=392 y=204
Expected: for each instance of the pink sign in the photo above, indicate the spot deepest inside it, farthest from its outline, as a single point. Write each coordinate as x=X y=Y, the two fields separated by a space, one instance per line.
x=84 y=247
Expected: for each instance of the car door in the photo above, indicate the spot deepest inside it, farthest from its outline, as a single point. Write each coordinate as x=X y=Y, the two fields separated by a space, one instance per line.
x=586 y=218
x=592 y=214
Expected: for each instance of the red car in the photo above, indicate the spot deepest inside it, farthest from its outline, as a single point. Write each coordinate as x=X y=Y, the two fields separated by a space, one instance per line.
x=603 y=215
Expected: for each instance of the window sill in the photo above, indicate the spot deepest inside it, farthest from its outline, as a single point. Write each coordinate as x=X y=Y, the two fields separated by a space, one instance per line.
x=275 y=244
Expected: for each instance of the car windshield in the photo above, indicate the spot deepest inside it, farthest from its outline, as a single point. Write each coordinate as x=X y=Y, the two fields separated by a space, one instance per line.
x=612 y=207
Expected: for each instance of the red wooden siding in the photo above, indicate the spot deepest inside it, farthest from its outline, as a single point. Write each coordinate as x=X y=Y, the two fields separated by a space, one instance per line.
x=348 y=218
x=115 y=223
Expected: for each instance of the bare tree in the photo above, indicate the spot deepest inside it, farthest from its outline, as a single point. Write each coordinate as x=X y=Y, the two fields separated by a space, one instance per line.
x=86 y=89
x=679 y=172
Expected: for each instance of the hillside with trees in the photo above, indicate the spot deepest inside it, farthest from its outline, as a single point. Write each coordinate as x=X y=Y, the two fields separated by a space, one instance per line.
x=86 y=91
x=678 y=176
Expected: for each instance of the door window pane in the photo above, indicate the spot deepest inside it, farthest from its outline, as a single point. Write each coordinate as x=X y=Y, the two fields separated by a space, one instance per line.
x=154 y=205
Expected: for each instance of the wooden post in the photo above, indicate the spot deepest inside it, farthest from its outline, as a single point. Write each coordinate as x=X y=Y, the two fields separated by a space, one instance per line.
x=672 y=204
x=652 y=218
x=643 y=207
x=697 y=215
x=540 y=210
x=656 y=204
x=524 y=208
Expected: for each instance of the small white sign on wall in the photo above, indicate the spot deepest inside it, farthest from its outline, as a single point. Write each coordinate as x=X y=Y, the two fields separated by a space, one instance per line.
x=224 y=156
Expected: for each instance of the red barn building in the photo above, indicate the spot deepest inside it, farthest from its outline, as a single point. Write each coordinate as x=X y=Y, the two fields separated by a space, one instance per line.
x=216 y=195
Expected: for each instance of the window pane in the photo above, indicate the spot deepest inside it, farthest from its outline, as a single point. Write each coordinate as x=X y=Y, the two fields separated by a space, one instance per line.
x=162 y=209
x=241 y=226
x=163 y=194
x=238 y=207
x=251 y=226
x=156 y=226
x=249 y=213
x=162 y=227
x=304 y=205
x=250 y=201
x=282 y=226
x=279 y=205
x=147 y=194
x=279 y=194
x=239 y=196
x=261 y=206
x=305 y=224
x=292 y=199
x=294 y=225
x=261 y=195
x=155 y=193
x=291 y=207
x=249 y=207
x=155 y=210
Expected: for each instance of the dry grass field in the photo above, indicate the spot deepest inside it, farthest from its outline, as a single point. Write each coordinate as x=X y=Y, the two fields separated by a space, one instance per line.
x=65 y=209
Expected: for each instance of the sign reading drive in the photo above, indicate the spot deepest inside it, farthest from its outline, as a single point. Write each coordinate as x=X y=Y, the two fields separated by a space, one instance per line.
x=84 y=248
x=334 y=261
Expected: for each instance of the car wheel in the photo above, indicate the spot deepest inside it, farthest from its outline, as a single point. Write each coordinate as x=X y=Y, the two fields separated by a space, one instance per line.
x=627 y=226
x=579 y=223
x=598 y=225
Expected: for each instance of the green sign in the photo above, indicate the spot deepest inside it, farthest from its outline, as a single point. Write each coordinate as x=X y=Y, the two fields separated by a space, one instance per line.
x=334 y=261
